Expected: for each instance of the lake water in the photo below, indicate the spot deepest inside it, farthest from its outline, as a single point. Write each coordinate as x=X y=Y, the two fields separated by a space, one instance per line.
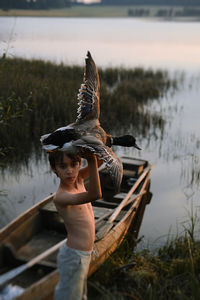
x=113 y=42
x=174 y=46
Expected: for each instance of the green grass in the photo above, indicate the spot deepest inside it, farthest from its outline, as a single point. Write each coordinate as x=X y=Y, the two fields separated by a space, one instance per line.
x=75 y=11
x=170 y=272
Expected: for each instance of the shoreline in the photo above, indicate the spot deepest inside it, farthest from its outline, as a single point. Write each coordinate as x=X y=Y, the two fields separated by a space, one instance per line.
x=100 y=12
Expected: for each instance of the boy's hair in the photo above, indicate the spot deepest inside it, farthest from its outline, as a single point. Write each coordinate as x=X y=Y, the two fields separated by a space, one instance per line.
x=58 y=156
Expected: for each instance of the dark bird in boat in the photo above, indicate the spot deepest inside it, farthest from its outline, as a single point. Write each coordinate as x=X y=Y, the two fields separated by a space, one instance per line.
x=86 y=131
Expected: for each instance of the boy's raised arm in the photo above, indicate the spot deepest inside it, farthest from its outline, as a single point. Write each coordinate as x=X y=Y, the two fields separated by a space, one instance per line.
x=84 y=172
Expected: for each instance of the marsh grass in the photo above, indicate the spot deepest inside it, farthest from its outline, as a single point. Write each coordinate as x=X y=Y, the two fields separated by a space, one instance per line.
x=75 y=11
x=106 y=11
x=47 y=95
x=170 y=272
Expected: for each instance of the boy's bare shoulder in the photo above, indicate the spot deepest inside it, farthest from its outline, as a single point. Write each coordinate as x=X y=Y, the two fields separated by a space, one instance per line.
x=65 y=197
x=60 y=195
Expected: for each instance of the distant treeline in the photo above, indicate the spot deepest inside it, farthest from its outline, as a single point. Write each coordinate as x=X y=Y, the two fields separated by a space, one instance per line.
x=48 y=4
x=33 y=4
x=164 y=12
x=152 y=2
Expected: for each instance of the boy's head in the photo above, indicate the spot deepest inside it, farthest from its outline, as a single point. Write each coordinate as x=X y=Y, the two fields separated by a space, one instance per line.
x=57 y=158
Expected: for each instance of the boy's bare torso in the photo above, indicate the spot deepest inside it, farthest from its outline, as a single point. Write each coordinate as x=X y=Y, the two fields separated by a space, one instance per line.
x=79 y=221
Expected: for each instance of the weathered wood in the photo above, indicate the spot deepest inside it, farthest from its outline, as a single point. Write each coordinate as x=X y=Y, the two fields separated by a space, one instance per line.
x=13 y=273
x=106 y=228
x=39 y=244
x=49 y=206
x=5 y=231
x=120 y=196
x=136 y=165
x=106 y=215
x=129 y=173
x=102 y=203
x=131 y=162
x=29 y=227
x=100 y=211
x=125 y=200
x=109 y=224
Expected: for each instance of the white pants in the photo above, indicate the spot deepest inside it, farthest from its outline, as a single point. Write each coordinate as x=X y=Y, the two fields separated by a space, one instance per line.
x=73 y=268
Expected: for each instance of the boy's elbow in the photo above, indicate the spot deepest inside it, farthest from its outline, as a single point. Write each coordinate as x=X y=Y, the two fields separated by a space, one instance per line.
x=96 y=196
x=99 y=195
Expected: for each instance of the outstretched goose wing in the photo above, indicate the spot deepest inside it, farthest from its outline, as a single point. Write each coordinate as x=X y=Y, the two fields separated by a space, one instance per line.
x=88 y=97
x=112 y=162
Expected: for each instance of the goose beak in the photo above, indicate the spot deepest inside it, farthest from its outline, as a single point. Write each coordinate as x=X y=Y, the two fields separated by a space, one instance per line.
x=136 y=146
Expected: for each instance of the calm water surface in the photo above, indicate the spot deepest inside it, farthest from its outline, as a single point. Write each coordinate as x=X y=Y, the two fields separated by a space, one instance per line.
x=116 y=42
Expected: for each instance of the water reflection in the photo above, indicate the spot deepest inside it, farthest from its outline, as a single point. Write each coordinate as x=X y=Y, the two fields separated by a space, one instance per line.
x=25 y=187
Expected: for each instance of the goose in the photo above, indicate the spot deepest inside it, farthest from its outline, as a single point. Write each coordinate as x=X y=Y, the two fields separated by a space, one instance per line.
x=86 y=131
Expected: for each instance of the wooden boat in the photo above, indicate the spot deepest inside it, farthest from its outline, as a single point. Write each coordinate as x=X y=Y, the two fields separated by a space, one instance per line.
x=40 y=228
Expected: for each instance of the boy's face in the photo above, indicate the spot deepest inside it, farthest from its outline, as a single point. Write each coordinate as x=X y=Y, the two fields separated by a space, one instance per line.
x=67 y=169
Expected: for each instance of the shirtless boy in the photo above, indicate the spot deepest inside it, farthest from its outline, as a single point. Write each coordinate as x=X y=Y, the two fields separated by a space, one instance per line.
x=73 y=203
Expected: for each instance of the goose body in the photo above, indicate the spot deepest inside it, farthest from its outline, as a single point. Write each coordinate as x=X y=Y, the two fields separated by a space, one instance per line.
x=86 y=131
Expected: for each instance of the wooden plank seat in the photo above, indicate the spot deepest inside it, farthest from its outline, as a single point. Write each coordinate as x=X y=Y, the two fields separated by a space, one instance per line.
x=40 y=242
x=49 y=207
x=129 y=173
x=99 y=212
x=104 y=221
x=136 y=165
x=119 y=197
x=102 y=203
x=26 y=253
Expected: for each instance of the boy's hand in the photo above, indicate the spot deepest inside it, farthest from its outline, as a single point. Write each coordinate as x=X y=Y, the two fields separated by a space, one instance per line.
x=85 y=153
